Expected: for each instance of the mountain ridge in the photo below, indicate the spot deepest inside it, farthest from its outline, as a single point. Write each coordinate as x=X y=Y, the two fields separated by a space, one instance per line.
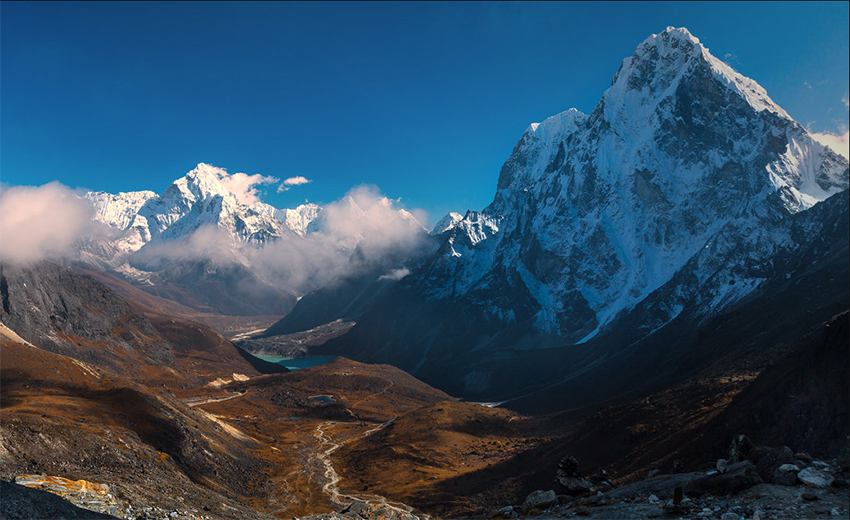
x=676 y=194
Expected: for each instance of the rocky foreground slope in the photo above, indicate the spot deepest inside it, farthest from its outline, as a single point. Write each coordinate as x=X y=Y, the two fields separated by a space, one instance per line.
x=204 y=434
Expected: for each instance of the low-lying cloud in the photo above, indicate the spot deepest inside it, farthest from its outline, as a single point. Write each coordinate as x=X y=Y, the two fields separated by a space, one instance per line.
x=244 y=186
x=363 y=232
x=43 y=222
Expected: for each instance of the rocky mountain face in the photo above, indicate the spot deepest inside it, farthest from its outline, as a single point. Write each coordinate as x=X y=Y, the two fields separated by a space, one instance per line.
x=74 y=315
x=684 y=192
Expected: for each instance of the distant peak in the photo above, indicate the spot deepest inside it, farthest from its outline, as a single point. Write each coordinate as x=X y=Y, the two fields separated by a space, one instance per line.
x=680 y=33
x=201 y=183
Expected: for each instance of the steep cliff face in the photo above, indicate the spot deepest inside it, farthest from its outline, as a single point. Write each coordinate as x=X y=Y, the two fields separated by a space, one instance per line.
x=675 y=196
x=71 y=314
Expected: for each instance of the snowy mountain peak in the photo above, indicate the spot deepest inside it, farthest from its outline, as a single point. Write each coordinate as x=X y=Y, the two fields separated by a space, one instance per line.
x=594 y=213
x=202 y=183
x=446 y=223
x=659 y=64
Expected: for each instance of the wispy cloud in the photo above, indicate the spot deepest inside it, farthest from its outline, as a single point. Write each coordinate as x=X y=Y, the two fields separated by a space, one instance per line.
x=292 y=181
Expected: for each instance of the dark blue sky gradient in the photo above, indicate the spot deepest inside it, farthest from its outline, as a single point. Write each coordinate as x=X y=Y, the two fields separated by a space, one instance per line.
x=424 y=100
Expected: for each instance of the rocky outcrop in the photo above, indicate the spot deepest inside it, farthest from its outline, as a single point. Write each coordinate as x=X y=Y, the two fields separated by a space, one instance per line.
x=68 y=313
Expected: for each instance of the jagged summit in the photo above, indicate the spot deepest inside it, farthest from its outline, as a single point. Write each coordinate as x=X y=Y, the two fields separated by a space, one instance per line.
x=201 y=183
x=671 y=197
x=661 y=61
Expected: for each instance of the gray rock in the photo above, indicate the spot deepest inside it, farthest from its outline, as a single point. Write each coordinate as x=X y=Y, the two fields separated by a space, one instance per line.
x=722 y=465
x=814 y=478
x=576 y=486
x=506 y=512
x=539 y=500
x=730 y=516
x=767 y=459
x=662 y=486
x=738 y=477
x=785 y=475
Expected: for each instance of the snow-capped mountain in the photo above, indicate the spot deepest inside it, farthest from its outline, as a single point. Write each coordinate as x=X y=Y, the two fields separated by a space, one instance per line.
x=195 y=200
x=675 y=196
x=201 y=236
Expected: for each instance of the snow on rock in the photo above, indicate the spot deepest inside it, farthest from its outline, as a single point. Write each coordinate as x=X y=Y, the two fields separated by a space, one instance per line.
x=595 y=213
x=446 y=223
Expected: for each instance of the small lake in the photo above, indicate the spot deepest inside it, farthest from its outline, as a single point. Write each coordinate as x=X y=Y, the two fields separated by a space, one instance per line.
x=296 y=363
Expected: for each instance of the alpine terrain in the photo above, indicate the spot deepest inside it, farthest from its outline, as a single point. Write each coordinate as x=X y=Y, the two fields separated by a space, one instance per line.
x=650 y=320
x=211 y=248
x=616 y=238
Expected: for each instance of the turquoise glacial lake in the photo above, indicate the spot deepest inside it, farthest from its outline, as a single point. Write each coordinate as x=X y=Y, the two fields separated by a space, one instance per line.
x=296 y=363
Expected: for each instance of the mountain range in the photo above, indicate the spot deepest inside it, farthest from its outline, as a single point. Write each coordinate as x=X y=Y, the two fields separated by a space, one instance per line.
x=652 y=280
x=200 y=245
x=684 y=194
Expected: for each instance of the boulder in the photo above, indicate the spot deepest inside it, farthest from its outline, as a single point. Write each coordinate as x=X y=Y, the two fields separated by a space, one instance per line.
x=539 y=500
x=738 y=477
x=767 y=460
x=576 y=486
x=739 y=449
x=814 y=478
x=506 y=512
x=569 y=466
x=662 y=486
x=785 y=475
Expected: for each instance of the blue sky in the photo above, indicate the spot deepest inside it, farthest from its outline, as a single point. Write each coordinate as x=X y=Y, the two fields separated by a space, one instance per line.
x=423 y=100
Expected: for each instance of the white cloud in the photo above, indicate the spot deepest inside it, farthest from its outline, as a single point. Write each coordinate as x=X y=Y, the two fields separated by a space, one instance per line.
x=395 y=274
x=243 y=186
x=292 y=181
x=41 y=222
x=840 y=143
x=296 y=181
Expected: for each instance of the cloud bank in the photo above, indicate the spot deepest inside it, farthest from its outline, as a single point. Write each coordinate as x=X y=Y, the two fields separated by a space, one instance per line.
x=363 y=232
x=43 y=222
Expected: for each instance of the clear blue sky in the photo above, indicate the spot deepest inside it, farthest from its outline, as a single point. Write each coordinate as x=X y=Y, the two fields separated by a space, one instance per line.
x=424 y=100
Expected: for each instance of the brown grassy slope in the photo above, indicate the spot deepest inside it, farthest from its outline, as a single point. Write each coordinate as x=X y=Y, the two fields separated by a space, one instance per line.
x=420 y=453
x=68 y=418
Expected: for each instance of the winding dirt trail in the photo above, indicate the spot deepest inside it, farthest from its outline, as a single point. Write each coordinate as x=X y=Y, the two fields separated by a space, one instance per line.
x=327 y=446
x=191 y=403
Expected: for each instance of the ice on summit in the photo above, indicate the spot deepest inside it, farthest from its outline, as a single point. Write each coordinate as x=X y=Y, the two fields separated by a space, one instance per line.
x=594 y=213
